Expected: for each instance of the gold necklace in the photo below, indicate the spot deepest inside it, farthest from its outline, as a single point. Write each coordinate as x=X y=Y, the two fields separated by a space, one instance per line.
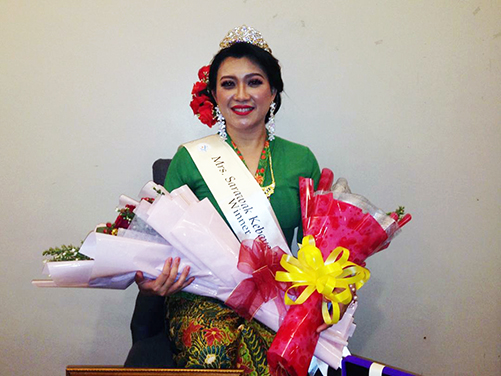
x=270 y=189
x=259 y=175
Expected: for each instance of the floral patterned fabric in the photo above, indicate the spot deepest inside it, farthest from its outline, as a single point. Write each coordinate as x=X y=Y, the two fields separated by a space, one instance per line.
x=207 y=334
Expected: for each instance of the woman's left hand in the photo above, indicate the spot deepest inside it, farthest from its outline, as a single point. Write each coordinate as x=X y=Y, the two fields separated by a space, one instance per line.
x=342 y=309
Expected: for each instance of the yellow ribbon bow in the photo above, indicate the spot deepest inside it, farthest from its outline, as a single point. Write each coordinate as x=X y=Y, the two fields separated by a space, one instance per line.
x=310 y=270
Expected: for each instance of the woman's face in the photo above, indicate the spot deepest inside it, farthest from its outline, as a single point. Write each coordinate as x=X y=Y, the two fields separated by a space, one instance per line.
x=243 y=94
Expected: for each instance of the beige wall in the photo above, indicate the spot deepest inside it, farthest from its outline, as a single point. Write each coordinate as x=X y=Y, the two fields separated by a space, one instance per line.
x=400 y=97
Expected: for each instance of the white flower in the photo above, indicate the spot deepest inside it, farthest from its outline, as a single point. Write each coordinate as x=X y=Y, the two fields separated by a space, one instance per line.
x=210 y=358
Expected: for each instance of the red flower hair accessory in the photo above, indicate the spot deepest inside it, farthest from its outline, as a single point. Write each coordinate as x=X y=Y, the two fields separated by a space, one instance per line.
x=200 y=103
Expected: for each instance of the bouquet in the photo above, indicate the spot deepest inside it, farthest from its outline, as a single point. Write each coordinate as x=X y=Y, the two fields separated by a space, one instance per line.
x=333 y=219
x=196 y=230
x=108 y=261
x=69 y=267
x=177 y=224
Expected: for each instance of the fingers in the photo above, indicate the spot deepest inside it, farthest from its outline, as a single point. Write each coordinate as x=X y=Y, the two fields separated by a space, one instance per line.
x=168 y=275
x=342 y=307
x=322 y=327
x=165 y=284
x=139 y=278
x=182 y=281
x=167 y=278
x=342 y=310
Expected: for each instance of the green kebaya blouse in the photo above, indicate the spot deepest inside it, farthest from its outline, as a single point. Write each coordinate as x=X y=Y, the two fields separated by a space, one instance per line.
x=290 y=161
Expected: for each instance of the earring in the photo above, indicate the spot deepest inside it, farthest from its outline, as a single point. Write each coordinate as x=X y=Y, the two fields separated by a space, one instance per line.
x=270 y=125
x=221 y=123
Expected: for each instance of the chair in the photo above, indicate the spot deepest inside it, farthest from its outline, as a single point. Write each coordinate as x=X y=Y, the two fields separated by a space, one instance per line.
x=151 y=346
x=149 y=314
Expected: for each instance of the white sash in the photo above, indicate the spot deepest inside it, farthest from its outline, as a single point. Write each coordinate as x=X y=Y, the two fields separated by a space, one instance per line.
x=239 y=196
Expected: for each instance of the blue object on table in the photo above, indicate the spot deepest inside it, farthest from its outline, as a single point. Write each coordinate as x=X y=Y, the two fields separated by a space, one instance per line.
x=355 y=366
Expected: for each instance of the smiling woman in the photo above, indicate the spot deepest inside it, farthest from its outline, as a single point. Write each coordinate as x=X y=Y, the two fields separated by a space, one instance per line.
x=241 y=90
x=244 y=96
x=262 y=59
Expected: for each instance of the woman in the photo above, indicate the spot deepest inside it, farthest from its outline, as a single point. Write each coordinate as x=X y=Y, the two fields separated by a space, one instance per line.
x=244 y=86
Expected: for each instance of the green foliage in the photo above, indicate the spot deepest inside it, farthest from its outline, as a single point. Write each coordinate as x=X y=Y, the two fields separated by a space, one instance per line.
x=159 y=191
x=400 y=211
x=64 y=253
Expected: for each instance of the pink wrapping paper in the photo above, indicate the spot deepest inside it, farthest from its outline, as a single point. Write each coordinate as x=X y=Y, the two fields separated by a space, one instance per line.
x=295 y=342
x=332 y=222
x=348 y=227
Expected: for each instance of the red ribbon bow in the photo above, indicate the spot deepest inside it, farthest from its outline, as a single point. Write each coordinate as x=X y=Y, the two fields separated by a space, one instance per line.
x=262 y=262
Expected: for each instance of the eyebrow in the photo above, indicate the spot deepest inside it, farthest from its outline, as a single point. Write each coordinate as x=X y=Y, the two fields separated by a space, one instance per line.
x=246 y=76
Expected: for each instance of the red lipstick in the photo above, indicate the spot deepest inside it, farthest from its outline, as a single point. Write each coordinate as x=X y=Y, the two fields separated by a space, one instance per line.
x=242 y=110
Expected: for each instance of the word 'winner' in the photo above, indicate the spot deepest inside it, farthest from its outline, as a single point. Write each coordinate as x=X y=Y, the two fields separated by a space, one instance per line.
x=240 y=209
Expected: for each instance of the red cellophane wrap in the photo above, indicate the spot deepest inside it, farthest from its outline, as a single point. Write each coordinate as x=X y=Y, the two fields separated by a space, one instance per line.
x=332 y=222
x=262 y=262
x=293 y=346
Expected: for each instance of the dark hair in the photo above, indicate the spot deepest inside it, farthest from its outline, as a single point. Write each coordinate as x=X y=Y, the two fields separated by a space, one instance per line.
x=257 y=55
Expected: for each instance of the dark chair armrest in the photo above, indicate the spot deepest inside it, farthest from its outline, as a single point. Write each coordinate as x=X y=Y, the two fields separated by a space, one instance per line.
x=149 y=317
x=160 y=168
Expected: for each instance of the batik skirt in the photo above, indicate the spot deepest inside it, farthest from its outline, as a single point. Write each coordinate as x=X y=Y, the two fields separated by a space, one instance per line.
x=208 y=334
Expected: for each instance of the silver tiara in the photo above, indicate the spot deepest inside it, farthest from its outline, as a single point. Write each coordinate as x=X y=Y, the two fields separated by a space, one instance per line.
x=244 y=34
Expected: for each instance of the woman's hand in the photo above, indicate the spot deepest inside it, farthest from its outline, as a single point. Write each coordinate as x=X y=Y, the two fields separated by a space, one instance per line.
x=342 y=309
x=166 y=283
